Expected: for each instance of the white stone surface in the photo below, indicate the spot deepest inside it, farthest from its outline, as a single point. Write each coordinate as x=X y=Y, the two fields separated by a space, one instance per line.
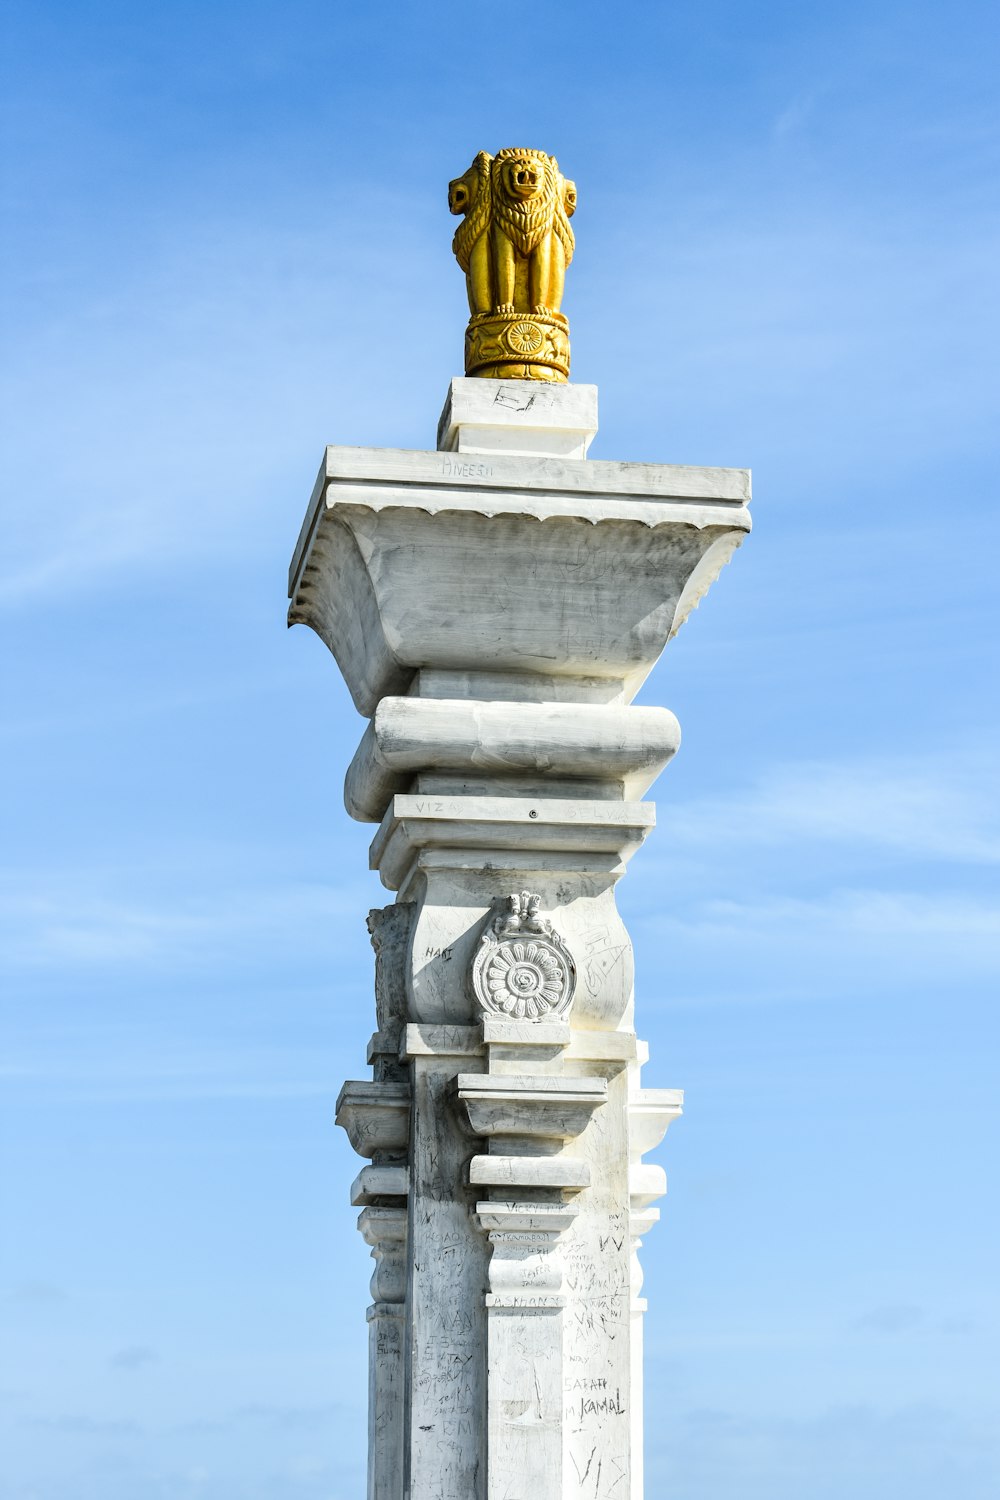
x=494 y=609
x=550 y=1109
x=423 y=833
x=627 y=747
x=376 y=1116
x=527 y=418
x=410 y=561
x=528 y=1172
x=372 y=1184
x=384 y=1228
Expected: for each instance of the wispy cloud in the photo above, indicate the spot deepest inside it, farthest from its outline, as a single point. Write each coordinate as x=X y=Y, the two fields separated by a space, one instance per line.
x=820 y=874
x=945 y=808
x=797 y=114
x=892 y=1317
x=177 y=423
x=841 y=943
x=38 y=1293
x=921 y=1450
x=133 y=1357
x=862 y=913
x=65 y=920
x=80 y=1426
x=103 y=1067
x=262 y=1414
x=179 y=966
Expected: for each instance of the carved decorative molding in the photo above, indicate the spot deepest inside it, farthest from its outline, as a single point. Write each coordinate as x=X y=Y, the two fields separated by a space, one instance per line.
x=517 y=346
x=522 y=968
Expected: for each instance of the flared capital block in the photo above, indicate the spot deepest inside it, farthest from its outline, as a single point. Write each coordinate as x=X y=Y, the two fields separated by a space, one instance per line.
x=413 y=562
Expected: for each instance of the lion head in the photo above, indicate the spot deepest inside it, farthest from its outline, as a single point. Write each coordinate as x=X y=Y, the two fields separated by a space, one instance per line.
x=460 y=193
x=523 y=175
x=525 y=195
x=470 y=195
x=523 y=179
x=469 y=189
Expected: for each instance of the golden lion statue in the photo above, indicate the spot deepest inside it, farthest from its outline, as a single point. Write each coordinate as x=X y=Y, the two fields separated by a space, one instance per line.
x=515 y=240
x=514 y=244
x=470 y=195
x=532 y=240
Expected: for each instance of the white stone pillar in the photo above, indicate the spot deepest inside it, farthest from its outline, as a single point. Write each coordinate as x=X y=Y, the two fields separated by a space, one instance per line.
x=384 y=1228
x=494 y=607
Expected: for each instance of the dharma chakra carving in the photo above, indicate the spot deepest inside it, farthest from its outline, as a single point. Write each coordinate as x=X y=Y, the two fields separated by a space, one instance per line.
x=514 y=244
x=522 y=969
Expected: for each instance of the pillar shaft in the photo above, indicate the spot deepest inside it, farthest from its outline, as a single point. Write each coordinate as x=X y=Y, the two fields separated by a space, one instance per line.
x=494 y=608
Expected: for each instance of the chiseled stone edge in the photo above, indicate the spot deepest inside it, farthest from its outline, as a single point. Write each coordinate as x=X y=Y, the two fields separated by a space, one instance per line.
x=511 y=408
x=528 y=827
x=542 y=488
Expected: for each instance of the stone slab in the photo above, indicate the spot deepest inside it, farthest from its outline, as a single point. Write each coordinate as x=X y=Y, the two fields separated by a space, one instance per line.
x=423 y=1040
x=528 y=1172
x=628 y=746
x=532 y=418
x=528 y=826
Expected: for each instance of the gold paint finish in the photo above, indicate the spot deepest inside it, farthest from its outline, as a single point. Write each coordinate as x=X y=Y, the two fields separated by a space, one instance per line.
x=514 y=244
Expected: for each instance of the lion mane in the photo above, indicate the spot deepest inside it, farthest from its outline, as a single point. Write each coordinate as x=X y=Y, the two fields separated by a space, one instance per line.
x=477 y=220
x=527 y=223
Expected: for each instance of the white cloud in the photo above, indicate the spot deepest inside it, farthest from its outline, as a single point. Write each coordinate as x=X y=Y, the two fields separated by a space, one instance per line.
x=921 y=1450
x=177 y=421
x=106 y=1065
x=873 y=913
x=821 y=877
x=945 y=808
x=87 y=920
x=133 y=1357
x=844 y=942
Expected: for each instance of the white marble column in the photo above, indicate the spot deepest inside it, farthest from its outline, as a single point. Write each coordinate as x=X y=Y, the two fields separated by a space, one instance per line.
x=494 y=607
x=384 y=1228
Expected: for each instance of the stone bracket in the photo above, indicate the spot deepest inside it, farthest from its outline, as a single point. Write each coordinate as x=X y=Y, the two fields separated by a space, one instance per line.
x=376 y=1116
x=375 y=1184
x=651 y=1112
x=547 y=1108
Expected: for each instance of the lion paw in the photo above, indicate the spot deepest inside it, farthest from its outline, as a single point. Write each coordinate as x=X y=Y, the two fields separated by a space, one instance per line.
x=504 y=307
x=542 y=310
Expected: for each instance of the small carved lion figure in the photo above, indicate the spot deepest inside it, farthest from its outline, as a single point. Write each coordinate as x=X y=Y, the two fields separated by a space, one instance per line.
x=515 y=241
x=470 y=195
x=531 y=234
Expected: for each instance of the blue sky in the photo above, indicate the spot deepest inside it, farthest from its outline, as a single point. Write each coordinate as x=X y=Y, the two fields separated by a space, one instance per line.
x=227 y=244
